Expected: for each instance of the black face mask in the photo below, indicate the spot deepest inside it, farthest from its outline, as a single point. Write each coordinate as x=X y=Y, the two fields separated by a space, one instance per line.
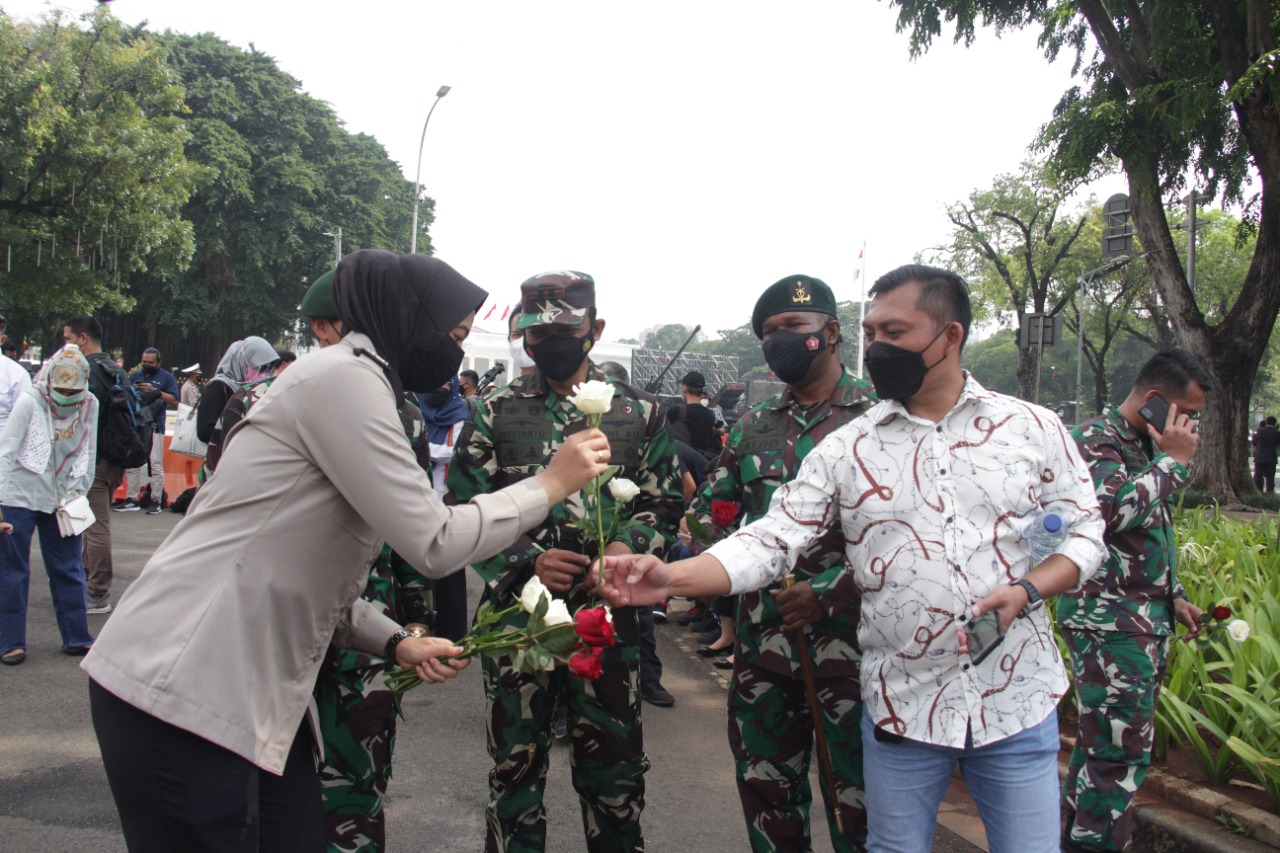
x=438 y=397
x=424 y=370
x=558 y=357
x=148 y=370
x=898 y=373
x=791 y=354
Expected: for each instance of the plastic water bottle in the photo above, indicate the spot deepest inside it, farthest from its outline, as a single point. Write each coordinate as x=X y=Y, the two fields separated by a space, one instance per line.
x=1048 y=531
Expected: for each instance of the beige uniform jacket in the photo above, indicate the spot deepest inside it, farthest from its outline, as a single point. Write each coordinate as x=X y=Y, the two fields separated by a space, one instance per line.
x=224 y=631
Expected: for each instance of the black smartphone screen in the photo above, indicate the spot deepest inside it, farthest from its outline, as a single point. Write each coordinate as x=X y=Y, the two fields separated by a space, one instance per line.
x=984 y=634
x=1155 y=412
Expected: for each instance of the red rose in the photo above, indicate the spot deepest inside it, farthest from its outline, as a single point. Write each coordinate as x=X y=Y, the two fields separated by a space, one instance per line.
x=587 y=664
x=593 y=626
x=723 y=513
x=1222 y=613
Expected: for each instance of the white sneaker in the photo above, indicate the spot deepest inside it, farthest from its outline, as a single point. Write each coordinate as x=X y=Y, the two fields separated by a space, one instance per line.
x=99 y=605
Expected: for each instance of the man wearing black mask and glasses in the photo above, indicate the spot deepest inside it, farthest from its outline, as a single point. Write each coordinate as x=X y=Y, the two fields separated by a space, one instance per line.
x=771 y=729
x=513 y=434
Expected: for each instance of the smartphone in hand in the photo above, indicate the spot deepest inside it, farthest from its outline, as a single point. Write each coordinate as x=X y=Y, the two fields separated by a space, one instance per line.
x=985 y=634
x=1155 y=412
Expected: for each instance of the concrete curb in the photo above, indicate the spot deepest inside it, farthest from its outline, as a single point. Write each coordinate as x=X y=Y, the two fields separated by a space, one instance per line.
x=1256 y=824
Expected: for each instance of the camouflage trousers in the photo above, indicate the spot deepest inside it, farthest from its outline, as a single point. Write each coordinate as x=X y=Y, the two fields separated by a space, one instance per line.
x=607 y=749
x=358 y=726
x=1117 y=682
x=772 y=739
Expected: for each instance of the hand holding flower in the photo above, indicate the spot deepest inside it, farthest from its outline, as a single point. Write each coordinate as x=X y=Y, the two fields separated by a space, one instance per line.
x=433 y=659
x=582 y=458
x=559 y=569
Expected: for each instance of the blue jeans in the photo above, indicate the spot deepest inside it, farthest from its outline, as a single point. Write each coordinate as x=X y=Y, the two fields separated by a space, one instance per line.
x=66 y=579
x=1014 y=783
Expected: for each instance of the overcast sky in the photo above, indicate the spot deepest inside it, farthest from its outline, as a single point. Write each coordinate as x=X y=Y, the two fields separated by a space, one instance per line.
x=685 y=154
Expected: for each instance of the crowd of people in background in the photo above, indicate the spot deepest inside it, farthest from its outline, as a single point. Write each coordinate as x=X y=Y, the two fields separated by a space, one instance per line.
x=879 y=536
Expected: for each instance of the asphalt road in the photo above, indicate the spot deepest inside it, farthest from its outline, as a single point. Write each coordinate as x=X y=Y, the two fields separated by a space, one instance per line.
x=54 y=796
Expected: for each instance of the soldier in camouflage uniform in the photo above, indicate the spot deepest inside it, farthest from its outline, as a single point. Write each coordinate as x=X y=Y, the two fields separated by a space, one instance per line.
x=511 y=437
x=1117 y=626
x=356 y=710
x=770 y=723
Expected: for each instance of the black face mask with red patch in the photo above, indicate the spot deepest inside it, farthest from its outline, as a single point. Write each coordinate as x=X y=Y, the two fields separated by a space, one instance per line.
x=791 y=354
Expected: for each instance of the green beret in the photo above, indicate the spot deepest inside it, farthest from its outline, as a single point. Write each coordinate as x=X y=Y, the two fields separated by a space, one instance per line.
x=793 y=293
x=318 y=303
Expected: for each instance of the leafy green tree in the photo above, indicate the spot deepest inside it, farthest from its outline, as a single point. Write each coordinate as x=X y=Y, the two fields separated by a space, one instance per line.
x=92 y=172
x=1182 y=94
x=286 y=174
x=1017 y=246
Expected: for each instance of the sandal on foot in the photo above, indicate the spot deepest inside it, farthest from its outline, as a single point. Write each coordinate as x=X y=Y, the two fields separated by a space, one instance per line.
x=14 y=657
x=77 y=651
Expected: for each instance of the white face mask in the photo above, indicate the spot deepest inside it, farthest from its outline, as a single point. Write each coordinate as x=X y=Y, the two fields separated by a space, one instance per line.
x=705 y=403
x=521 y=359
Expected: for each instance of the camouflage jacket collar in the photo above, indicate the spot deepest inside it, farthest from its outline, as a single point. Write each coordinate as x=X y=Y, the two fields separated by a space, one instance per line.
x=1127 y=433
x=887 y=410
x=849 y=391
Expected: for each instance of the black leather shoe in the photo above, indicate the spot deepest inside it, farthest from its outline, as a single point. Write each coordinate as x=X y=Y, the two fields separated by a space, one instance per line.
x=655 y=694
x=724 y=663
x=709 y=652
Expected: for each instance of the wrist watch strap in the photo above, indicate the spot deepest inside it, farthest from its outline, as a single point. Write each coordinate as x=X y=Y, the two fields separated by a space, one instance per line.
x=389 y=651
x=1034 y=601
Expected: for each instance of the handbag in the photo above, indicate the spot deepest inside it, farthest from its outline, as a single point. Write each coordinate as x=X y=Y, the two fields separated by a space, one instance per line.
x=184 y=439
x=74 y=515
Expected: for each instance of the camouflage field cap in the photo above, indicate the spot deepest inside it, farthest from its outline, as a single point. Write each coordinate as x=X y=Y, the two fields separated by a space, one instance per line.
x=793 y=293
x=560 y=297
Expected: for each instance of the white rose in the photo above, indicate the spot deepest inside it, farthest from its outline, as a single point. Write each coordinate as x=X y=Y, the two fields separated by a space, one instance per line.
x=623 y=490
x=592 y=398
x=1238 y=629
x=557 y=613
x=532 y=594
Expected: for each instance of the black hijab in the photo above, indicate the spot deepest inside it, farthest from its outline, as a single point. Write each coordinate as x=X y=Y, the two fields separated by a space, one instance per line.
x=407 y=305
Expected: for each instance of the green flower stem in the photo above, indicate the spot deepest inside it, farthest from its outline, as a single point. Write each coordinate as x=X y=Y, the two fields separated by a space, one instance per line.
x=594 y=421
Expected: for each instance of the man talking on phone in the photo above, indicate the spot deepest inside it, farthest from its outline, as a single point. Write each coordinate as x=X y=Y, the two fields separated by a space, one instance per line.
x=934 y=489
x=1118 y=623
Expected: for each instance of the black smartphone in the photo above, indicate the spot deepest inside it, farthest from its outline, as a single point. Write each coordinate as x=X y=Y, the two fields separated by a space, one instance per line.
x=1155 y=412
x=984 y=633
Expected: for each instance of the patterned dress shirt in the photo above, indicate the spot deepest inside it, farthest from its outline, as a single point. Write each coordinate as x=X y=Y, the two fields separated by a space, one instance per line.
x=1135 y=589
x=764 y=450
x=934 y=518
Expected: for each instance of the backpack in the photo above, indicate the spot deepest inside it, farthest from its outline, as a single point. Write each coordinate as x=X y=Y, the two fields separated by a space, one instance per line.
x=126 y=425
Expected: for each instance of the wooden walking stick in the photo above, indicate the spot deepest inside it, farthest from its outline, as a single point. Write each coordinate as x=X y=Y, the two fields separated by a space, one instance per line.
x=819 y=732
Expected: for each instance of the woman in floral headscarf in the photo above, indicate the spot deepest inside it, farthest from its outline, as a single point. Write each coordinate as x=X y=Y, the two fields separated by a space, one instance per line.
x=47 y=450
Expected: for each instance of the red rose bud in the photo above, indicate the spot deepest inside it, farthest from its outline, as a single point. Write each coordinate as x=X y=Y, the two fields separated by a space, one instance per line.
x=593 y=626
x=1221 y=613
x=723 y=513
x=587 y=664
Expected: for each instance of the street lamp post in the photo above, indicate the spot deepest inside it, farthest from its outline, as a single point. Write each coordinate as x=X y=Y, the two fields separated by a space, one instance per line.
x=417 y=190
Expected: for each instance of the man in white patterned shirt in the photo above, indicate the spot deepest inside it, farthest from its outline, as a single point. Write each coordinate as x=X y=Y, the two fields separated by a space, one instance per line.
x=935 y=489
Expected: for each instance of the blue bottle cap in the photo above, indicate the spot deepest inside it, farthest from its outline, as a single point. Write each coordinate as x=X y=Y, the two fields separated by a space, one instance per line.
x=1052 y=522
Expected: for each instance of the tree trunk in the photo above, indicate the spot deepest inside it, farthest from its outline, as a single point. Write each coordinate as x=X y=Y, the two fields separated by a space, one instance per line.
x=1028 y=369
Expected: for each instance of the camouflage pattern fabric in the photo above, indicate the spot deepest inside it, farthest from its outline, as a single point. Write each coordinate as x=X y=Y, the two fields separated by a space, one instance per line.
x=764 y=450
x=607 y=749
x=357 y=713
x=1117 y=625
x=510 y=437
x=771 y=735
x=1117 y=684
x=1134 y=589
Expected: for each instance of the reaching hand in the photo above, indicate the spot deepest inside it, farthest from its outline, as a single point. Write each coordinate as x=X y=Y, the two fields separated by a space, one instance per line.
x=799 y=606
x=428 y=656
x=1180 y=438
x=558 y=569
x=633 y=580
x=1188 y=614
x=583 y=457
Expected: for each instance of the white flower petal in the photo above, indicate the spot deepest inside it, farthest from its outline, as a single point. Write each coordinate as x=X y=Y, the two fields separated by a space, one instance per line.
x=557 y=613
x=533 y=593
x=623 y=490
x=1238 y=629
x=592 y=398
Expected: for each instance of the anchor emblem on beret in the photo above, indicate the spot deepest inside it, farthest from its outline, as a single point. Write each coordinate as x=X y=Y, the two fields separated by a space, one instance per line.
x=801 y=295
